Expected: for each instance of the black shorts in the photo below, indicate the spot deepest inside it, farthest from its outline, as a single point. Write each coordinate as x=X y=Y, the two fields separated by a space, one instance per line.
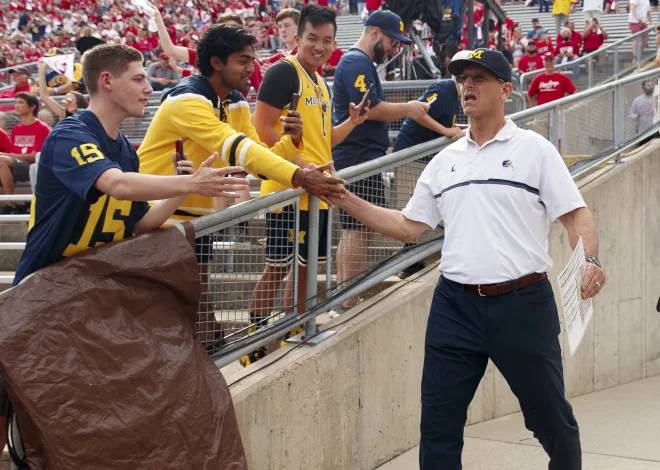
x=370 y=189
x=20 y=170
x=280 y=230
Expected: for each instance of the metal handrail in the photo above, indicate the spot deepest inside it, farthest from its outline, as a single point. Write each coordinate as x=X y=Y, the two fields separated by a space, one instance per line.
x=540 y=109
x=267 y=335
x=586 y=59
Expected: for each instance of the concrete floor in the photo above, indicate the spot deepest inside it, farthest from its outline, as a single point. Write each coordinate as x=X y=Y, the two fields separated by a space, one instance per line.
x=620 y=430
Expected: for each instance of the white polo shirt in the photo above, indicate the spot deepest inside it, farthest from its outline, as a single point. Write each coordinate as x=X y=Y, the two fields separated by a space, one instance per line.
x=497 y=203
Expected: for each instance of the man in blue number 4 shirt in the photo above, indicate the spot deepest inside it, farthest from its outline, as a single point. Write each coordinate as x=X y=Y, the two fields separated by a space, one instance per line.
x=89 y=191
x=356 y=75
x=440 y=121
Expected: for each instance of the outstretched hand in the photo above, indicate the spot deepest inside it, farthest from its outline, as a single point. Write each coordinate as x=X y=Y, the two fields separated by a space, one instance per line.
x=214 y=182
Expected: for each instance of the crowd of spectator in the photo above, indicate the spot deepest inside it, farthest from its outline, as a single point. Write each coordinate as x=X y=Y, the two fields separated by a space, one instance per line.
x=526 y=49
x=30 y=29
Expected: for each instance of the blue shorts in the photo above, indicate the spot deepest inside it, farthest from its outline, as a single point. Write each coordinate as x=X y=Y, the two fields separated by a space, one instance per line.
x=280 y=230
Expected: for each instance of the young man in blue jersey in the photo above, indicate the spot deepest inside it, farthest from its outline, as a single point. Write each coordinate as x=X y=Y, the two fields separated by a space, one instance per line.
x=88 y=171
x=356 y=75
x=440 y=121
x=89 y=191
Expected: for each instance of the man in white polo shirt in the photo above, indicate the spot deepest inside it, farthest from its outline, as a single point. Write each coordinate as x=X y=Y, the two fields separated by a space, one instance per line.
x=497 y=190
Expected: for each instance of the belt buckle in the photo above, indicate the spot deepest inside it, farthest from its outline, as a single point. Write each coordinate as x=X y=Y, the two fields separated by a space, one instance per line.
x=479 y=291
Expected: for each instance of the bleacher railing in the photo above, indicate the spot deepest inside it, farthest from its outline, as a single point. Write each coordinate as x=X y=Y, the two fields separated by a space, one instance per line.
x=5 y=76
x=608 y=63
x=233 y=239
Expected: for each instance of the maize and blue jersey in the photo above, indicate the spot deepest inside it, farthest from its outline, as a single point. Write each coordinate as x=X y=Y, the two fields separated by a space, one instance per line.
x=68 y=213
x=445 y=106
x=354 y=75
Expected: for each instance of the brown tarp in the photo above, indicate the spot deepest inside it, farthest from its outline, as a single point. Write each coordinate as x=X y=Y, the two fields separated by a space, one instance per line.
x=98 y=357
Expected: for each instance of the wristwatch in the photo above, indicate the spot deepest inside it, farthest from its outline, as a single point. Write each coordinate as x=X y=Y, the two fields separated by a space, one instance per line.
x=593 y=260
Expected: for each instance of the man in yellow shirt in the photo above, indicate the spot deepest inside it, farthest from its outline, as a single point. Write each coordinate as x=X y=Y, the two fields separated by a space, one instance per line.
x=297 y=74
x=207 y=112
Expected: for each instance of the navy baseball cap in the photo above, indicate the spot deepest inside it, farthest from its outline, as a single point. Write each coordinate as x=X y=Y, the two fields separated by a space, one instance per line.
x=390 y=23
x=493 y=61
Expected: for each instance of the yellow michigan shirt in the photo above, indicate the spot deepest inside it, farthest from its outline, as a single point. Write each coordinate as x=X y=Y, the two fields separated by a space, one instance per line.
x=314 y=107
x=191 y=111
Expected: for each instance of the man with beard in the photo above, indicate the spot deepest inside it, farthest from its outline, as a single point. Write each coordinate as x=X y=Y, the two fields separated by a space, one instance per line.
x=642 y=109
x=355 y=76
x=208 y=112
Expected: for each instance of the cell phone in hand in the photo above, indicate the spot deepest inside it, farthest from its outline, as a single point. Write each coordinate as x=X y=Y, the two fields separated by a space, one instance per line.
x=365 y=98
x=293 y=104
x=178 y=150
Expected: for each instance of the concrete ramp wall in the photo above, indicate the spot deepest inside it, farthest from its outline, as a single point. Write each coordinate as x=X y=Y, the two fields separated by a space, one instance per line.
x=353 y=401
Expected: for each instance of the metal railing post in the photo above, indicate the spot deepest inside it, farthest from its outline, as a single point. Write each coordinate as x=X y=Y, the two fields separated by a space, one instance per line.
x=328 y=257
x=590 y=72
x=554 y=128
x=312 y=262
x=619 y=116
x=616 y=62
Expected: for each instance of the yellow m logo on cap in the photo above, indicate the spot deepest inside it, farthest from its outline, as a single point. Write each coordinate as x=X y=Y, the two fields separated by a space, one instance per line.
x=401 y=26
x=475 y=55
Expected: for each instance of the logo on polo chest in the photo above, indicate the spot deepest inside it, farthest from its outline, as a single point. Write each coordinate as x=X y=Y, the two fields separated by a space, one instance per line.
x=507 y=164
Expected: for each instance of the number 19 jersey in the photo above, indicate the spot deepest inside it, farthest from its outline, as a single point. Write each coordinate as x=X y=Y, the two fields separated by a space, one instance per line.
x=68 y=213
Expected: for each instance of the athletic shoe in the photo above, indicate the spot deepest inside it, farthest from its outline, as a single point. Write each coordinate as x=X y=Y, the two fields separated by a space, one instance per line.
x=254 y=356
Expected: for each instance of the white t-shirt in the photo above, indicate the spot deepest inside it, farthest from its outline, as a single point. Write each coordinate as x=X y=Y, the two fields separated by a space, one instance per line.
x=643 y=8
x=497 y=203
x=592 y=5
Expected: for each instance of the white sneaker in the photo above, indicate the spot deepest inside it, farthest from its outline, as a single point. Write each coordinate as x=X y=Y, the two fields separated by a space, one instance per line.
x=334 y=314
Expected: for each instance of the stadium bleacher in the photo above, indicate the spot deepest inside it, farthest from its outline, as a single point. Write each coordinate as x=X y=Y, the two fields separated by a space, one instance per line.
x=616 y=24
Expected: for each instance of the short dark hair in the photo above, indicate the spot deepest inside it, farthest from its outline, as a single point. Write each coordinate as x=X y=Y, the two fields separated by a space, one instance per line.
x=31 y=100
x=316 y=16
x=648 y=80
x=81 y=100
x=221 y=41
x=288 y=13
x=107 y=58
